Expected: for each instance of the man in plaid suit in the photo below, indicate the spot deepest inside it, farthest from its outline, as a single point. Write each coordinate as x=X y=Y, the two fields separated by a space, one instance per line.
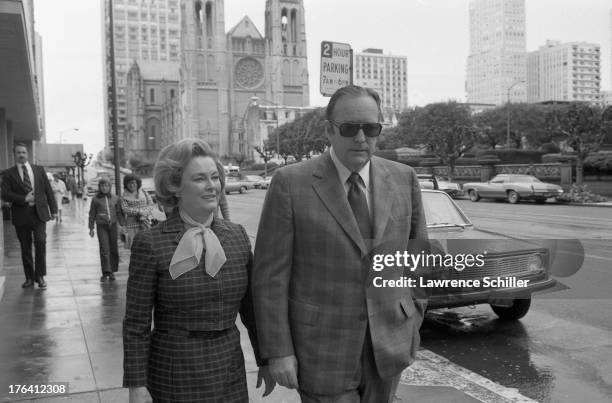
x=324 y=328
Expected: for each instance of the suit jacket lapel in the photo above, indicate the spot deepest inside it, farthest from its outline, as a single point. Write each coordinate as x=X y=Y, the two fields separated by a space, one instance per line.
x=329 y=189
x=382 y=191
x=14 y=171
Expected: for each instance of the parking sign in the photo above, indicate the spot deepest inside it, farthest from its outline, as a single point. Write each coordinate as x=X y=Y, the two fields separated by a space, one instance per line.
x=336 y=66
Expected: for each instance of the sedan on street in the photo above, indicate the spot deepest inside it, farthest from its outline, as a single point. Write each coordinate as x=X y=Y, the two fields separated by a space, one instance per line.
x=233 y=184
x=509 y=270
x=513 y=188
x=256 y=179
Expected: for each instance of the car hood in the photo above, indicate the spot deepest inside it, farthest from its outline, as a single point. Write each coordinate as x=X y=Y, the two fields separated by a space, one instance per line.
x=474 y=241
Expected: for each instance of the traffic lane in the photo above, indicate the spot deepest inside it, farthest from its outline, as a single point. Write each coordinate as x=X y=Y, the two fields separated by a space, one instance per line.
x=553 y=220
x=544 y=357
x=245 y=209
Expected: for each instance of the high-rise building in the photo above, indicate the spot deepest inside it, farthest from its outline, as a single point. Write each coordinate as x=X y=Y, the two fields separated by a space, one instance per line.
x=387 y=74
x=147 y=32
x=564 y=72
x=606 y=98
x=496 y=70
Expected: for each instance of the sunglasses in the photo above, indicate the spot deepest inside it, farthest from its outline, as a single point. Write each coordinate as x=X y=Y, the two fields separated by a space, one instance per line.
x=348 y=129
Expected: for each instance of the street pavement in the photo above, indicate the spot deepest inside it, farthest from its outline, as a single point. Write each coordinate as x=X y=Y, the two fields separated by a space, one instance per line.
x=71 y=332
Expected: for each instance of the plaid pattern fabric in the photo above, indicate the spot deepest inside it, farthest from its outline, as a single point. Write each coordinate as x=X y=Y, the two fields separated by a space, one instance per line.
x=176 y=368
x=311 y=291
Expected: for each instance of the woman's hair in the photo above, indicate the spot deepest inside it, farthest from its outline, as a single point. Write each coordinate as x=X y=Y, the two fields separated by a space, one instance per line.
x=102 y=181
x=172 y=160
x=131 y=177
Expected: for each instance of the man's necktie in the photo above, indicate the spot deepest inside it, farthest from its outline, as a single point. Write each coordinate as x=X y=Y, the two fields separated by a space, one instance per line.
x=26 y=179
x=359 y=205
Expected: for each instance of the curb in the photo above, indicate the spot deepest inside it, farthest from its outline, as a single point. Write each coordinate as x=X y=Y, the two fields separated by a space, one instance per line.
x=601 y=204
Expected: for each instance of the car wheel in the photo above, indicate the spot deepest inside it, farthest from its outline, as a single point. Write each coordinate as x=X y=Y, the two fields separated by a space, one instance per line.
x=517 y=310
x=513 y=197
x=474 y=196
x=242 y=189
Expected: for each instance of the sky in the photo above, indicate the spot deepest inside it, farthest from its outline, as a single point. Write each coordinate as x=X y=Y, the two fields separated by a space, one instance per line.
x=432 y=34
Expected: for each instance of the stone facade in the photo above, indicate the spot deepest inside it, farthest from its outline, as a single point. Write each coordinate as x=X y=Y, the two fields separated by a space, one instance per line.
x=220 y=72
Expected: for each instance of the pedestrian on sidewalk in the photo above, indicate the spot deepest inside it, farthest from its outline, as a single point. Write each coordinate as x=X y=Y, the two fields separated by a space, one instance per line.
x=59 y=190
x=103 y=213
x=193 y=273
x=28 y=190
x=136 y=207
x=72 y=186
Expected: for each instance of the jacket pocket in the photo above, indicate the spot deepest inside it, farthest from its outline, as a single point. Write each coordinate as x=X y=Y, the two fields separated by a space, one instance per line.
x=304 y=313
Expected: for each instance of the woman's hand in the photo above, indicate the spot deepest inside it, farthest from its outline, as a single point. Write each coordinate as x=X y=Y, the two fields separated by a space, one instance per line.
x=91 y=233
x=264 y=373
x=140 y=395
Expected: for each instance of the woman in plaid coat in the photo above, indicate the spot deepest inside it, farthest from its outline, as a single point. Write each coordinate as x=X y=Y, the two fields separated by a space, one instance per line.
x=193 y=273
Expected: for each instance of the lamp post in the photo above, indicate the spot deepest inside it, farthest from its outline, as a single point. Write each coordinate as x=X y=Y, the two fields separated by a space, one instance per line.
x=61 y=139
x=508 y=112
x=255 y=99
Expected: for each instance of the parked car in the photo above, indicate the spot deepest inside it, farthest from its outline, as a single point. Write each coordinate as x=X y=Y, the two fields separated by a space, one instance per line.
x=453 y=189
x=233 y=184
x=266 y=182
x=428 y=181
x=505 y=257
x=512 y=188
x=256 y=179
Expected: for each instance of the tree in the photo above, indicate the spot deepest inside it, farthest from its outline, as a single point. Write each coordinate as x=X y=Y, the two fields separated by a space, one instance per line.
x=300 y=137
x=527 y=121
x=583 y=128
x=239 y=158
x=447 y=129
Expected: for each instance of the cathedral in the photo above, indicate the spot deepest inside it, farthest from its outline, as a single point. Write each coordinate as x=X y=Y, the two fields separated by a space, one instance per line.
x=220 y=75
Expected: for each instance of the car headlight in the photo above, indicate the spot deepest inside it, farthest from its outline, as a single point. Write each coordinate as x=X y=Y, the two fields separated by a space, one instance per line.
x=535 y=262
x=559 y=191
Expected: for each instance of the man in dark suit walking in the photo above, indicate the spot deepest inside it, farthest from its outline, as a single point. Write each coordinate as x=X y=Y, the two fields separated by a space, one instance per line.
x=324 y=328
x=28 y=190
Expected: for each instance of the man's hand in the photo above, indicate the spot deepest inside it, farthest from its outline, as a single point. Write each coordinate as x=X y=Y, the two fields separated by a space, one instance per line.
x=264 y=374
x=54 y=216
x=30 y=197
x=284 y=371
x=140 y=395
x=91 y=233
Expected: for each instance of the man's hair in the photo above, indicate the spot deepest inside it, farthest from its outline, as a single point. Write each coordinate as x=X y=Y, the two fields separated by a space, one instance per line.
x=353 y=91
x=172 y=160
x=20 y=144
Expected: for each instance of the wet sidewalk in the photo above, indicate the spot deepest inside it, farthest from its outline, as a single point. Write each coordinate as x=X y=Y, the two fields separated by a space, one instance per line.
x=71 y=332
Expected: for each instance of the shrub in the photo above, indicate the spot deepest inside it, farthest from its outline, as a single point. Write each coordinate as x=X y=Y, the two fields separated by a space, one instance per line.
x=580 y=194
x=513 y=156
x=261 y=167
x=600 y=162
x=550 y=148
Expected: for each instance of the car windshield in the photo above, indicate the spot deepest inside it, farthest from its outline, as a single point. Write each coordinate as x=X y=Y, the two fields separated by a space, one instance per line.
x=440 y=210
